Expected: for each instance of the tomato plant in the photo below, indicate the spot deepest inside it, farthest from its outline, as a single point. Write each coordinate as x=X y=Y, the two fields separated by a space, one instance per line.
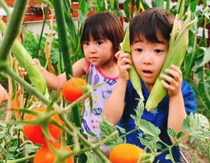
x=125 y=153
x=45 y=155
x=71 y=89
x=34 y=132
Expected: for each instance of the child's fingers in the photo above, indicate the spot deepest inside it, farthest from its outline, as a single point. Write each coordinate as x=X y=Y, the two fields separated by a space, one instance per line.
x=177 y=69
x=176 y=75
x=120 y=54
x=168 y=79
x=168 y=86
x=36 y=62
x=125 y=61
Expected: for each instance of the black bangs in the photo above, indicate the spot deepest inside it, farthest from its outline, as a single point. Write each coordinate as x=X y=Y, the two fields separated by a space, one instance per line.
x=154 y=25
x=95 y=30
x=96 y=27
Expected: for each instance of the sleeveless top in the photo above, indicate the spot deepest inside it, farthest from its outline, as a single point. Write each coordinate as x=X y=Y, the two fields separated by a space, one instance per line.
x=90 y=122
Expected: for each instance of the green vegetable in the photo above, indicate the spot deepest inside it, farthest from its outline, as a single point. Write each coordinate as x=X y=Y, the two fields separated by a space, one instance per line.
x=25 y=61
x=134 y=77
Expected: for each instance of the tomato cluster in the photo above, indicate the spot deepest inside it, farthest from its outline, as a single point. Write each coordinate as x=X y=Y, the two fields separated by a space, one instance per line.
x=72 y=90
x=34 y=133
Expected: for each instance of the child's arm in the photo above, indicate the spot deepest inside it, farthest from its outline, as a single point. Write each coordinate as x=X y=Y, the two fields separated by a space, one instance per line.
x=114 y=106
x=56 y=82
x=177 y=111
x=3 y=94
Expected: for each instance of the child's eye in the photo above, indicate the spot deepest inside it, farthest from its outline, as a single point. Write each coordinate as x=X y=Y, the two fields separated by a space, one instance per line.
x=99 y=42
x=158 y=51
x=138 y=50
x=85 y=43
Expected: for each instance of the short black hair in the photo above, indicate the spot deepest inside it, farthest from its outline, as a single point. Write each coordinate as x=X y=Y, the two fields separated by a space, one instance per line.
x=150 y=24
x=104 y=25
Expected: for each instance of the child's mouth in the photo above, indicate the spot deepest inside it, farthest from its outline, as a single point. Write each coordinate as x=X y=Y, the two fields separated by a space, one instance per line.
x=93 y=58
x=147 y=73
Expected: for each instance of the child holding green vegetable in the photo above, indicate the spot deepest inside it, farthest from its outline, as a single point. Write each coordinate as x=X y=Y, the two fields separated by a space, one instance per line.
x=102 y=34
x=149 y=37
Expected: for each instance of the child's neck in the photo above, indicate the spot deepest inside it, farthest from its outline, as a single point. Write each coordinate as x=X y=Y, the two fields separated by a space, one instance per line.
x=109 y=69
x=149 y=86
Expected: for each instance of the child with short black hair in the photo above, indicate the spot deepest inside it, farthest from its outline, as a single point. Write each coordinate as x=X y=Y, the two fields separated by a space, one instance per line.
x=149 y=38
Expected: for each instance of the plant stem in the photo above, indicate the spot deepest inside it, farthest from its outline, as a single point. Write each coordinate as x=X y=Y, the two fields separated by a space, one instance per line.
x=27 y=86
x=42 y=30
x=21 y=159
x=85 y=141
x=6 y=8
x=13 y=30
x=63 y=40
x=168 y=4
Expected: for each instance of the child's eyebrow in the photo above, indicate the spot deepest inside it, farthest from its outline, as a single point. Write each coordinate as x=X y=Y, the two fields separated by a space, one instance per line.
x=164 y=42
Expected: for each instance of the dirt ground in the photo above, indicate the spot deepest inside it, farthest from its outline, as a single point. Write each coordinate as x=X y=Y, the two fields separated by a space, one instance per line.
x=191 y=155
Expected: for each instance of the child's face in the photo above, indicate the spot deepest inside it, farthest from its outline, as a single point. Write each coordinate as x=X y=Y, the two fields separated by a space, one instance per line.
x=148 y=59
x=98 y=52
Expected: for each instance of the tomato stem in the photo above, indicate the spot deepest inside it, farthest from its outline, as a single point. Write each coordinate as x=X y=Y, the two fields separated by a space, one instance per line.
x=20 y=159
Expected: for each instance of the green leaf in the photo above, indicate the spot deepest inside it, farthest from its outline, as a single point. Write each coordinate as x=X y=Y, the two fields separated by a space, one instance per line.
x=30 y=148
x=206 y=57
x=106 y=130
x=139 y=111
x=171 y=133
x=126 y=9
x=122 y=130
x=149 y=128
x=197 y=126
x=179 y=134
x=158 y=3
x=194 y=5
x=92 y=157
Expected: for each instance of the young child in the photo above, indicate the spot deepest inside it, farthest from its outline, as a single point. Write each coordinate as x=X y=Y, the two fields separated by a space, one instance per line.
x=149 y=38
x=3 y=94
x=102 y=34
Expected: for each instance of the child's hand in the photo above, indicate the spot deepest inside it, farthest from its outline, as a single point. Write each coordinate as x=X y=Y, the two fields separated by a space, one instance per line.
x=124 y=64
x=23 y=71
x=37 y=62
x=173 y=81
x=3 y=94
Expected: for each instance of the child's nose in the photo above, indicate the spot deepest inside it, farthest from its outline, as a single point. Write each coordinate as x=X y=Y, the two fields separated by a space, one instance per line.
x=147 y=59
x=92 y=48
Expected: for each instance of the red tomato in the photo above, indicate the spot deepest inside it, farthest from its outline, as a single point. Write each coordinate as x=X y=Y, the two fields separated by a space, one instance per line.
x=44 y=154
x=34 y=132
x=71 y=91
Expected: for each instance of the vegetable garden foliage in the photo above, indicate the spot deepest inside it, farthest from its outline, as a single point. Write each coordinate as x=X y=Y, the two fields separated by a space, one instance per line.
x=15 y=148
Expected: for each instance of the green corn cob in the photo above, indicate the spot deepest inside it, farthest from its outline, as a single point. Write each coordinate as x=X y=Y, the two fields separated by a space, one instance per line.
x=134 y=77
x=25 y=61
